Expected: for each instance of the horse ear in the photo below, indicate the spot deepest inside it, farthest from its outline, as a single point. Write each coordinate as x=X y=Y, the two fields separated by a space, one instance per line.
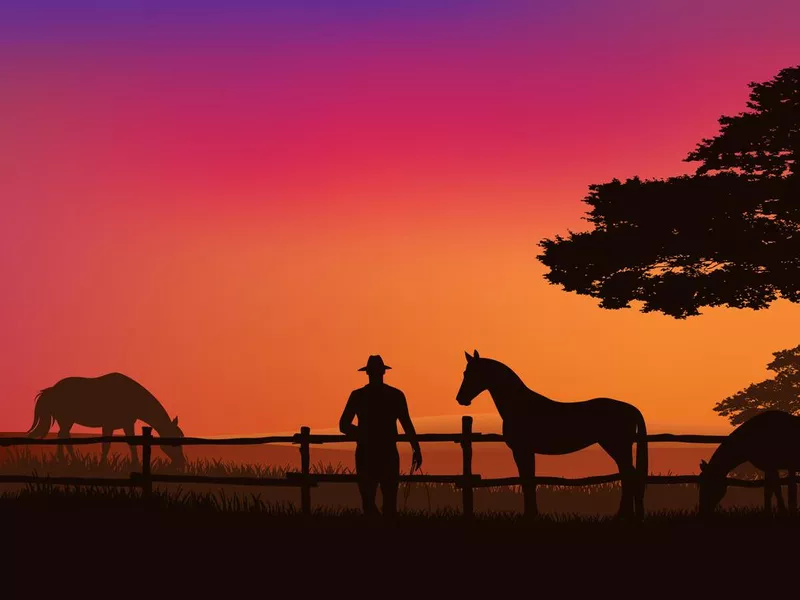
x=175 y=421
x=703 y=465
x=469 y=358
x=476 y=355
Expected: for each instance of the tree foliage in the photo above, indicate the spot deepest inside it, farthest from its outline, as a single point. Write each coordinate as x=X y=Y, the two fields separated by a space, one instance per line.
x=779 y=393
x=729 y=235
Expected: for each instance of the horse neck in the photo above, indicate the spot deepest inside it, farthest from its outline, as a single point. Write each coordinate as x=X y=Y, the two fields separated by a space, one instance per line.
x=507 y=390
x=728 y=456
x=156 y=416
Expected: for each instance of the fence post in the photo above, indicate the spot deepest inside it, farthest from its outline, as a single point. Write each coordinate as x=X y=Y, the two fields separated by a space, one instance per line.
x=147 y=482
x=305 y=466
x=466 y=469
x=792 y=485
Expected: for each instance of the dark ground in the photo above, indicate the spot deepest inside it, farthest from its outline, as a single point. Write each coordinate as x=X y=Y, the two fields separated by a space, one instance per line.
x=162 y=552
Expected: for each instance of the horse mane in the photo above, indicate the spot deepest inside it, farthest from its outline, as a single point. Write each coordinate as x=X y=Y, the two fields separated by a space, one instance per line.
x=507 y=372
x=513 y=380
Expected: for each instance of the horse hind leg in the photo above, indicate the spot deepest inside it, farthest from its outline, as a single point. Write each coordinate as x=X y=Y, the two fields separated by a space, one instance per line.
x=129 y=431
x=107 y=432
x=526 y=465
x=640 y=477
x=622 y=455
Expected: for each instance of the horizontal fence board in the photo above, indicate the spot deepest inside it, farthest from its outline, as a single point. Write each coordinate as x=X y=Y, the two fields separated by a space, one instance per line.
x=78 y=441
x=504 y=481
x=137 y=440
x=211 y=480
x=243 y=441
x=353 y=478
x=600 y=479
x=421 y=437
x=686 y=438
x=293 y=480
x=89 y=481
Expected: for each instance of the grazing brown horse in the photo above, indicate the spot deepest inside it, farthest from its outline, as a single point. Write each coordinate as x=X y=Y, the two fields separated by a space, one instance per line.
x=534 y=424
x=770 y=441
x=111 y=401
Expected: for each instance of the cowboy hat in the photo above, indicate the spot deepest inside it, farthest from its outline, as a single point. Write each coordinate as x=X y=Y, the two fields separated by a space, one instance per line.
x=375 y=363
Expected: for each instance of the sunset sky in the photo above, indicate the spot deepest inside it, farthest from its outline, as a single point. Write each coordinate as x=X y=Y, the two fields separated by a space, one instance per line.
x=235 y=203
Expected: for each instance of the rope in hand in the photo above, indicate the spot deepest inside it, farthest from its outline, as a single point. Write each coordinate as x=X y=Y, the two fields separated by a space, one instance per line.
x=407 y=491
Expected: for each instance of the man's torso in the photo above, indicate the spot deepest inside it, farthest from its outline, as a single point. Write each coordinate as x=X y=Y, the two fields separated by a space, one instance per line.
x=377 y=408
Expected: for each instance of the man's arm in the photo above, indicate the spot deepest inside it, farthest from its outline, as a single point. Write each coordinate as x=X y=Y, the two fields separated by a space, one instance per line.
x=408 y=428
x=346 y=421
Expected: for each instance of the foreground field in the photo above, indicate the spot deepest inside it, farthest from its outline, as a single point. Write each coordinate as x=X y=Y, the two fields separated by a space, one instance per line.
x=189 y=540
x=89 y=535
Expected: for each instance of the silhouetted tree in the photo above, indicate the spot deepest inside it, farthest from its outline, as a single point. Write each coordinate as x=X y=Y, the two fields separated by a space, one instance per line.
x=727 y=236
x=780 y=393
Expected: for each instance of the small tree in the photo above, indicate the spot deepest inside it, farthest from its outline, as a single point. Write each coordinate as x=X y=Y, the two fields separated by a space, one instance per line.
x=727 y=236
x=780 y=393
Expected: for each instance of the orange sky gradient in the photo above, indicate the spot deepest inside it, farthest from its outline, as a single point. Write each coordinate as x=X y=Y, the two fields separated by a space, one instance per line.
x=238 y=223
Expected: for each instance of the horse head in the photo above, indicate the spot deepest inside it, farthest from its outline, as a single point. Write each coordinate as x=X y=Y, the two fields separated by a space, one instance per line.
x=474 y=381
x=712 y=488
x=175 y=453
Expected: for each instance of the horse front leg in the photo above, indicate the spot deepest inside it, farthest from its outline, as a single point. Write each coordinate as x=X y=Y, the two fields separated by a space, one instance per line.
x=776 y=489
x=772 y=486
x=107 y=432
x=767 y=494
x=129 y=431
x=63 y=433
x=627 y=504
x=526 y=465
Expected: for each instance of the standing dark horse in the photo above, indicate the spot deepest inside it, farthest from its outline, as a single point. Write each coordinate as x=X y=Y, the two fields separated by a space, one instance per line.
x=112 y=401
x=770 y=441
x=534 y=424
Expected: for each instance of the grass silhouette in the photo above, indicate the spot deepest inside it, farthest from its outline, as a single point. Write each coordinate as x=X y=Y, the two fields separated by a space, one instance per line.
x=443 y=501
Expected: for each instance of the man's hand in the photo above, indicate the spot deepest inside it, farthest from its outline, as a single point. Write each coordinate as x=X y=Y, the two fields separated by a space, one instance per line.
x=346 y=421
x=416 y=460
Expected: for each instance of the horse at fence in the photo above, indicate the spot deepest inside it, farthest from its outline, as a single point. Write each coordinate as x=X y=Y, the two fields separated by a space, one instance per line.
x=111 y=401
x=534 y=424
x=770 y=441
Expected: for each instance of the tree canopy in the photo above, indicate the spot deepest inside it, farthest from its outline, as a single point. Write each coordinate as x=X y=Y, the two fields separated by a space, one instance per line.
x=729 y=235
x=780 y=393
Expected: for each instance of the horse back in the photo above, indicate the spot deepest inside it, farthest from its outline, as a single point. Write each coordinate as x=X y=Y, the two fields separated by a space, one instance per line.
x=110 y=388
x=767 y=424
x=596 y=413
x=562 y=427
x=111 y=399
x=768 y=440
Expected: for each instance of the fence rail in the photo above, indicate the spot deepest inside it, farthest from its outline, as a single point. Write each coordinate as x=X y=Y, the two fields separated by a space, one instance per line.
x=467 y=481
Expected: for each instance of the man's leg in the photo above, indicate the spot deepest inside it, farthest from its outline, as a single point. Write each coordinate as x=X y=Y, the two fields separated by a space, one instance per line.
x=367 y=483
x=390 y=481
x=368 y=487
x=389 y=486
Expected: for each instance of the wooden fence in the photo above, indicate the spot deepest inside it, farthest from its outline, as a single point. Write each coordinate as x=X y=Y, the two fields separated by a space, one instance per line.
x=305 y=480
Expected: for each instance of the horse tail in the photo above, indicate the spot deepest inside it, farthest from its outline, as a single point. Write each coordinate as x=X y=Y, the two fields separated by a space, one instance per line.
x=42 y=415
x=641 y=450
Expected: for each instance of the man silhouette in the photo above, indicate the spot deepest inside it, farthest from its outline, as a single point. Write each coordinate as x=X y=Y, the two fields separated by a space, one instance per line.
x=378 y=407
